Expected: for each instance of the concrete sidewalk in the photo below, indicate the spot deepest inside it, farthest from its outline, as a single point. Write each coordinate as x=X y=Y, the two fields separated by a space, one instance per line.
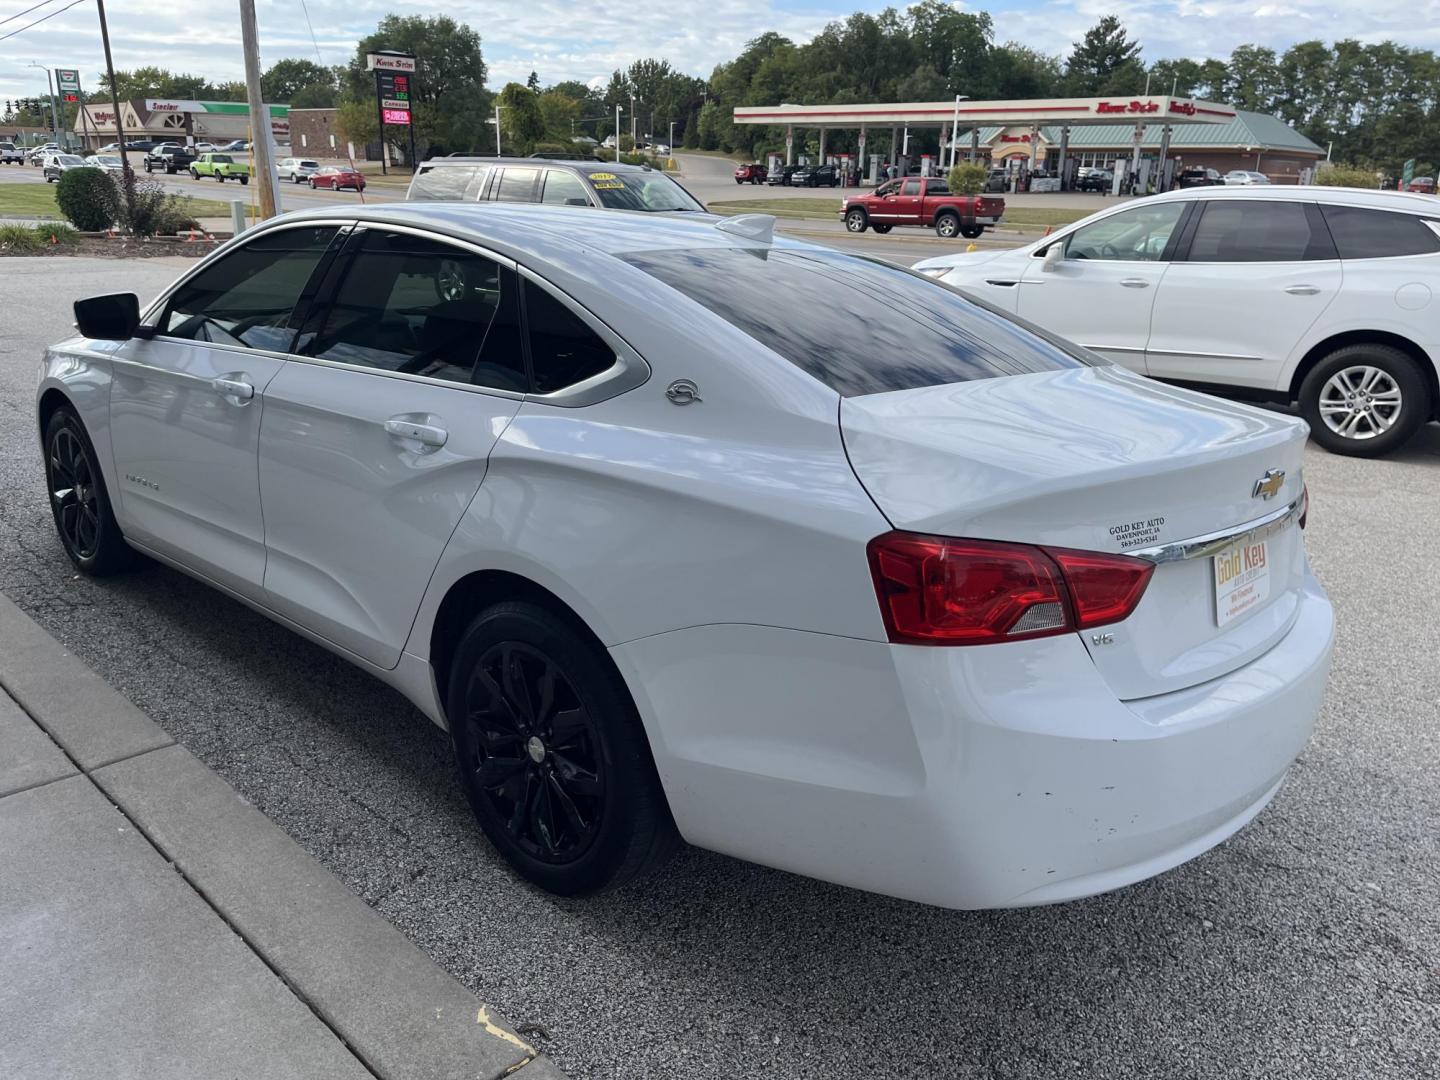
x=154 y=925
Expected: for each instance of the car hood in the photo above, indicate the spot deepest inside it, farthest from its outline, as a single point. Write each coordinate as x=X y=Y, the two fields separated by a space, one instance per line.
x=965 y=258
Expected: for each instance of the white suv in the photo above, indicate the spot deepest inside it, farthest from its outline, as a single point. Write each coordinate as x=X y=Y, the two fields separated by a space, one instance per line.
x=1325 y=296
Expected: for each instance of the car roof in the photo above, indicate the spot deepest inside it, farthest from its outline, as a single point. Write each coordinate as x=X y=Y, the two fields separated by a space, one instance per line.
x=1380 y=200
x=534 y=162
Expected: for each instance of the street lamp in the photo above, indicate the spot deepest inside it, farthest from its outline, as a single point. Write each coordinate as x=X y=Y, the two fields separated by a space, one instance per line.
x=618 y=110
x=955 y=126
x=54 y=110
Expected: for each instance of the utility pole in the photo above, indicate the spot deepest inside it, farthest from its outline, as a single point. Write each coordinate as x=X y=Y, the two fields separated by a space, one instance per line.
x=54 y=110
x=497 y=131
x=259 y=115
x=633 y=119
x=617 y=133
x=127 y=175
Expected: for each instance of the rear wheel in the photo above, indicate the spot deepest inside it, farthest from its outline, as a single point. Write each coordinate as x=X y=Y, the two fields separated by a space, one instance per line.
x=857 y=220
x=1364 y=400
x=882 y=229
x=972 y=232
x=946 y=226
x=79 y=501
x=552 y=755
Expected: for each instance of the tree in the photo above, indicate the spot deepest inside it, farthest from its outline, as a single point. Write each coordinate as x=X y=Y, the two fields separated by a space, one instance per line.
x=1106 y=57
x=520 y=117
x=283 y=79
x=967 y=178
x=533 y=82
x=559 y=114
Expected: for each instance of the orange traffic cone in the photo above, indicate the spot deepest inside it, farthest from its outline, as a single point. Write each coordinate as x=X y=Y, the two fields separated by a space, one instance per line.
x=1048 y=230
x=191 y=238
x=53 y=240
x=972 y=246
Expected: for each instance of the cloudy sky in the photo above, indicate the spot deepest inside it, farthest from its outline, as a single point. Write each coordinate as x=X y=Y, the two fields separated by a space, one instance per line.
x=562 y=40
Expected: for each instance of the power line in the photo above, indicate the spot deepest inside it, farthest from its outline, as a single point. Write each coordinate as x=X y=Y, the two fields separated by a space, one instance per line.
x=37 y=22
x=12 y=18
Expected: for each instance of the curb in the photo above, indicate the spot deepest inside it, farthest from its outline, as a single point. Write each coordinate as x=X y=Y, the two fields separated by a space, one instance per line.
x=398 y=1013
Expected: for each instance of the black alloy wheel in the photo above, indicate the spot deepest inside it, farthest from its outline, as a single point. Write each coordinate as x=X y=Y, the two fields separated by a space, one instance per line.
x=551 y=754
x=79 y=501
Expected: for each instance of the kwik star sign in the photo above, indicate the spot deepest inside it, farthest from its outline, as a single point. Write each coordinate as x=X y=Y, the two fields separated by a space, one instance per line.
x=392 y=85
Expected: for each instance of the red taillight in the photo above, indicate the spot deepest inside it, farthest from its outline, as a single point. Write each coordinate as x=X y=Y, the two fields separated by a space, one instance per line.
x=935 y=590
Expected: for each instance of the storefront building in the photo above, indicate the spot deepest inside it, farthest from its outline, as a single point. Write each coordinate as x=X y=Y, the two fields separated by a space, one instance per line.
x=178 y=121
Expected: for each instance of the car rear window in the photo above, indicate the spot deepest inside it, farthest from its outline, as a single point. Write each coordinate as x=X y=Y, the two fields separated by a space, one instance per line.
x=859 y=326
x=1361 y=233
x=441 y=183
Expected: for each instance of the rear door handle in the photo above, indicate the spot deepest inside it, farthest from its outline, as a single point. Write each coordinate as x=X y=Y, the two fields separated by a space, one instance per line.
x=422 y=433
x=1302 y=290
x=233 y=388
x=1135 y=283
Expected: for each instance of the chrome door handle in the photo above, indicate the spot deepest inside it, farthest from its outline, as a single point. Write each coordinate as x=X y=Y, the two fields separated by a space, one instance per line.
x=233 y=388
x=1135 y=283
x=422 y=433
x=1302 y=290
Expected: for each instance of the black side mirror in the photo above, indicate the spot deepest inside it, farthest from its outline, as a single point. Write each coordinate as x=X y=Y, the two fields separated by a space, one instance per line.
x=113 y=317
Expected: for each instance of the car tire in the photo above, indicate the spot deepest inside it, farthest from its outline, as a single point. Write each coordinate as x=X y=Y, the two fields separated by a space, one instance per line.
x=947 y=226
x=1365 y=400
x=738 y=181
x=194 y=175
x=972 y=232
x=566 y=791
x=312 y=185
x=856 y=220
x=882 y=229
x=79 y=500
x=244 y=181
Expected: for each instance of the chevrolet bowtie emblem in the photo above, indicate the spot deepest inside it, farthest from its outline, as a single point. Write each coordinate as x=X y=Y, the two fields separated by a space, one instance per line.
x=1269 y=485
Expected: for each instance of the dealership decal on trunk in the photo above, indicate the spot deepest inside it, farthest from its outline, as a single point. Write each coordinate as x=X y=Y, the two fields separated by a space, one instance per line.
x=1141 y=533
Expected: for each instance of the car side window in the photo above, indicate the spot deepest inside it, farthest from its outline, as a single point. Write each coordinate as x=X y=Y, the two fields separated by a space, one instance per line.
x=936 y=187
x=422 y=307
x=1362 y=233
x=564 y=188
x=912 y=187
x=563 y=349
x=1135 y=235
x=248 y=296
x=891 y=188
x=517 y=185
x=441 y=183
x=1256 y=230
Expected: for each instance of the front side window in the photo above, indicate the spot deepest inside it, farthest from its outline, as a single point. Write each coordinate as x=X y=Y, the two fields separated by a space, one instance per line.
x=421 y=307
x=1361 y=233
x=441 y=183
x=1136 y=235
x=857 y=325
x=563 y=349
x=564 y=189
x=248 y=297
x=1255 y=230
x=517 y=185
x=640 y=190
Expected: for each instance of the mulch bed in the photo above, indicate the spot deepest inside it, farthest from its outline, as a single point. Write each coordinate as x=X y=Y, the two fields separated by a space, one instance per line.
x=124 y=247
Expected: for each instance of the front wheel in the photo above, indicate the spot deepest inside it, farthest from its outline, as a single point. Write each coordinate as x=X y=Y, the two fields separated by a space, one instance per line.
x=219 y=178
x=312 y=185
x=947 y=226
x=1364 y=400
x=79 y=501
x=856 y=220
x=552 y=755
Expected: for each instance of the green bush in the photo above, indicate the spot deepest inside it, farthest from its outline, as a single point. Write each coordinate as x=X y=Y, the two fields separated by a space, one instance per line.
x=87 y=197
x=967 y=178
x=15 y=239
x=552 y=149
x=1352 y=176
x=150 y=211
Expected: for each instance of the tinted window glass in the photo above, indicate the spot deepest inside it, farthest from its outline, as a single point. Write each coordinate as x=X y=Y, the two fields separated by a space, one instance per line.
x=858 y=326
x=640 y=190
x=441 y=183
x=1137 y=235
x=247 y=297
x=563 y=350
x=937 y=187
x=1256 y=231
x=561 y=187
x=517 y=185
x=1378 y=234
x=425 y=308
x=912 y=187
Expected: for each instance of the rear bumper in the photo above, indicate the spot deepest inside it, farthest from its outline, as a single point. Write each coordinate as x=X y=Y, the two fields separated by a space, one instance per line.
x=969 y=778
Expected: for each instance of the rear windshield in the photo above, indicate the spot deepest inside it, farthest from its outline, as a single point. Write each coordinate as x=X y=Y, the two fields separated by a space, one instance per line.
x=860 y=327
x=626 y=190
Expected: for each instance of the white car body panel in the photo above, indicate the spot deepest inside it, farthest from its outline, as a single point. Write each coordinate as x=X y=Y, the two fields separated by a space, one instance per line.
x=1265 y=333
x=718 y=554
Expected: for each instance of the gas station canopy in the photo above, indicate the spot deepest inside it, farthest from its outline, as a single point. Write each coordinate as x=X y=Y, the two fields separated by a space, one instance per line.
x=1041 y=111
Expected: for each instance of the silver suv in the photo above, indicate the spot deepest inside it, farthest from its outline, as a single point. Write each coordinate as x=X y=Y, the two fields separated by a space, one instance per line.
x=604 y=184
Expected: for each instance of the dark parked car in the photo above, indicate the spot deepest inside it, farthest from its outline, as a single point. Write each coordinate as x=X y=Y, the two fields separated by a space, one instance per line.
x=815 y=176
x=781 y=176
x=169 y=157
x=754 y=173
x=997 y=180
x=1101 y=180
x=1195 y=176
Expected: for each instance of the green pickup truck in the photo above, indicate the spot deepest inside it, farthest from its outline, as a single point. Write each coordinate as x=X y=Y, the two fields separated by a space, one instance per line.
x=221 y=166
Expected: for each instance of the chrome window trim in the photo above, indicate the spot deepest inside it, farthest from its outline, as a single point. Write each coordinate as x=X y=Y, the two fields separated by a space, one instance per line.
x=628 y=372
x=1199 y=547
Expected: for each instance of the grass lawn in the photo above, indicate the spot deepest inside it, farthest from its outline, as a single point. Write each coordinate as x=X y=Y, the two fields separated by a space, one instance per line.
x=38 y=200
x=829 y=208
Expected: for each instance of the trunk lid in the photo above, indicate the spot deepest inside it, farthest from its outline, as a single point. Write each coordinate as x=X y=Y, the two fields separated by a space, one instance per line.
x=1101 y=459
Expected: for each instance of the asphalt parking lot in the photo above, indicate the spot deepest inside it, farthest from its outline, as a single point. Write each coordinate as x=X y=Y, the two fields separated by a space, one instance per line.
x=1307 y=946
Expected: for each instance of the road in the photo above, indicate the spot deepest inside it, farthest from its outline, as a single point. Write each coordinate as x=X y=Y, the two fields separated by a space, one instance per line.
x=1304 y=947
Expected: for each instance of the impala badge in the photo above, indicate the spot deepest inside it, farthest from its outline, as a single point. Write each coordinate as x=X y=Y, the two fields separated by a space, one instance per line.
x=683 y=392
x=1269 y=485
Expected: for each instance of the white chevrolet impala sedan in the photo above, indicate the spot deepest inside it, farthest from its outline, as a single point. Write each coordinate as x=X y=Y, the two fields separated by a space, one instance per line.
x=685 y=531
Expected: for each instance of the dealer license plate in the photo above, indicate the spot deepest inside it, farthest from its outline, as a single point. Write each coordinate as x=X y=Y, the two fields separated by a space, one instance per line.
x=1242 y=580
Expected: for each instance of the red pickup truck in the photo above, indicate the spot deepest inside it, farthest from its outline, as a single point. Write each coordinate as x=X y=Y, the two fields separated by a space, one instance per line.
x=915 y=200
x=750 y=174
